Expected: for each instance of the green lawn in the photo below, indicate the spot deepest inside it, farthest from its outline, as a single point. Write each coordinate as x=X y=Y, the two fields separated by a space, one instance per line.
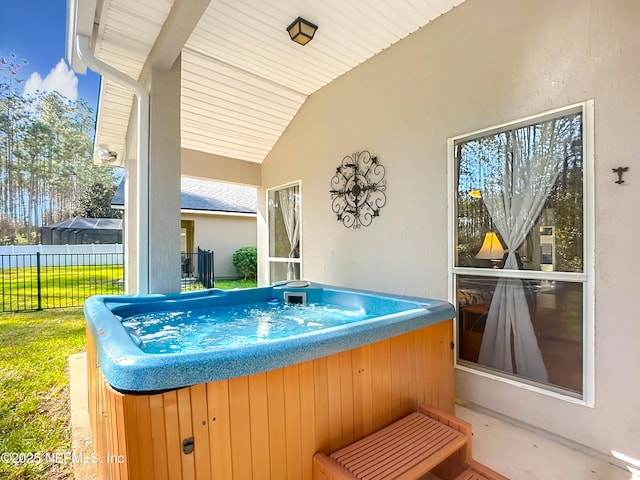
x=34 y=389
x=231 y=284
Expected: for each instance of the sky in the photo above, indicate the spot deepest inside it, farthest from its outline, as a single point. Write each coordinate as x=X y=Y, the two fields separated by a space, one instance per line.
x=36 y=30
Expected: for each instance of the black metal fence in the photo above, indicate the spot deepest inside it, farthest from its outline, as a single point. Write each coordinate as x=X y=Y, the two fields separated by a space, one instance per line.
x=205 y=268
x=197 y=270
x=36 y=281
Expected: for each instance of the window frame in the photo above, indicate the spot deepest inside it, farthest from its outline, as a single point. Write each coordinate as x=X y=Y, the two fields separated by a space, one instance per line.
x=586 y=277
x=188 y=227
x=271 y=259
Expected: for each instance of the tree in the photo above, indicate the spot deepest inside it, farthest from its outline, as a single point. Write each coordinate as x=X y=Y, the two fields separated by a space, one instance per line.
x=46 y=159
x=32 y=155
x=12 y=118
x=245 y=260
x=95 y=202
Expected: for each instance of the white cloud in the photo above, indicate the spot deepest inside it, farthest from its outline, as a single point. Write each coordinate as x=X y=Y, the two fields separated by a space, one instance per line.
x=60 y=79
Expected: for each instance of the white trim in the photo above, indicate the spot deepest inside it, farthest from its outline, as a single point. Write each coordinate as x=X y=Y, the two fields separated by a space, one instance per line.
x=586 y=277
x=187 y=211
x=218 y=213
x=524 y=274
x=589 y=259
x=523 y=385
x=541 y=117
x=284 y=185
x=270 y=259
x=452 y=238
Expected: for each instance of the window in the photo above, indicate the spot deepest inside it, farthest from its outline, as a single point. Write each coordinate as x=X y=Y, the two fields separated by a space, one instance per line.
x=284 y=232
x=520 y=272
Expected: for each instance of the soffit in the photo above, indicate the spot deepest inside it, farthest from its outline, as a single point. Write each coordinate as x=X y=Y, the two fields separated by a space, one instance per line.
x=127 y=30
x=243 y=79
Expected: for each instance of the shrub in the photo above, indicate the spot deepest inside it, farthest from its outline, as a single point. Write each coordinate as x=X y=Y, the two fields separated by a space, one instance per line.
x=245 y=260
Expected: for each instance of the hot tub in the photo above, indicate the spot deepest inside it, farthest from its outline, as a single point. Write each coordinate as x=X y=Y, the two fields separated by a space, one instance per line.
x=220 y=405
x=127 y=367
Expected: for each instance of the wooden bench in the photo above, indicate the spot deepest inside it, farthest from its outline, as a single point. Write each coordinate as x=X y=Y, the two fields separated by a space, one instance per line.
x=423 y=441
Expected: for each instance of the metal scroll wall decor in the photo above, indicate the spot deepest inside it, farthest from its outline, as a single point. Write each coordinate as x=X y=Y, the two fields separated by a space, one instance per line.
x=357 y=190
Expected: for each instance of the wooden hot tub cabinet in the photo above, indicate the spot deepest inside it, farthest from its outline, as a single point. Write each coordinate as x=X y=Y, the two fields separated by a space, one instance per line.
x=268 y=426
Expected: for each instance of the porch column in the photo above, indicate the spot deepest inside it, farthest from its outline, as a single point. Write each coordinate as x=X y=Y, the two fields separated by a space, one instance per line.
x=164 y=179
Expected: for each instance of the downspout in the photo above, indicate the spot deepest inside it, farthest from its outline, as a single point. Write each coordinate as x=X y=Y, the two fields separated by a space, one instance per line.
x=142 y=199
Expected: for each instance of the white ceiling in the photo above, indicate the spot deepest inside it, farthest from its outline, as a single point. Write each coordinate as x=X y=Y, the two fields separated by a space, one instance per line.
x=243 y=79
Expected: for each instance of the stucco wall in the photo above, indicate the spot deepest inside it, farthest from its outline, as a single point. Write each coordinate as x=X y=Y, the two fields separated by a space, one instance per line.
x=223 y=234
x=484 y=63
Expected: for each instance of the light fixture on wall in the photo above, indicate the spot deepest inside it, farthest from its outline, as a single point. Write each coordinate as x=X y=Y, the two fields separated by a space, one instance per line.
x=106 y=156
x=301 y=31
x=491 y=249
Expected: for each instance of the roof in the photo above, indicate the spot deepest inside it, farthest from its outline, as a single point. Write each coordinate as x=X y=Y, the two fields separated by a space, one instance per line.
x=242 y=78
x=81 y=223
x=204 y=195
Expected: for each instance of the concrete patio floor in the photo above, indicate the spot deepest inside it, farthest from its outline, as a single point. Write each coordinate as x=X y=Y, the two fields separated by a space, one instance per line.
x=521 y=454
x=514 y=451
x=81 y=440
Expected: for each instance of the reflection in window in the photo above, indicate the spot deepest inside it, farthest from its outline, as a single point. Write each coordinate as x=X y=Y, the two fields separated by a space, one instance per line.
x=556 y=318
x=523 y=184
x=519 y=204
x=284 y=232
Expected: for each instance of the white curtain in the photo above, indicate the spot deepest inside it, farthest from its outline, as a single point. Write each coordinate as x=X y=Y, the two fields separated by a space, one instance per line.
x=289 y=208
x=514 y=194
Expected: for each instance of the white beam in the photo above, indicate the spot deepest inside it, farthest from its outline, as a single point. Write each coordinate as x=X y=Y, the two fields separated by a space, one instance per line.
x=177 y=28
x=215 y=167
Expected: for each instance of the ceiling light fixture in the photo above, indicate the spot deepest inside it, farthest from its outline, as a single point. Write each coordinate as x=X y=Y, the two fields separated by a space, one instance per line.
x=301 y=31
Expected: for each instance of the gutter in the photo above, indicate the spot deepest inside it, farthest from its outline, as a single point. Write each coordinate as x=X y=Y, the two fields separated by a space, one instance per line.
x=142 y=166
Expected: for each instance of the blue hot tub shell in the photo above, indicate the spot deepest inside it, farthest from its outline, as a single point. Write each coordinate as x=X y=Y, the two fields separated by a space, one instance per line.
x=128 y=369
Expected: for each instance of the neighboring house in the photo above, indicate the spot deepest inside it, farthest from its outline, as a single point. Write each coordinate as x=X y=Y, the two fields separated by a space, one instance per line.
x=215 y=216
x=80 y=230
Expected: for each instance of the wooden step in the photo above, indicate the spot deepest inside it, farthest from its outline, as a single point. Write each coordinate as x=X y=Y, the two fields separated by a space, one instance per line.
x=404 y=450
x=462 y=461
x=478 y=471
x=407 y=449
x=469 y=474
